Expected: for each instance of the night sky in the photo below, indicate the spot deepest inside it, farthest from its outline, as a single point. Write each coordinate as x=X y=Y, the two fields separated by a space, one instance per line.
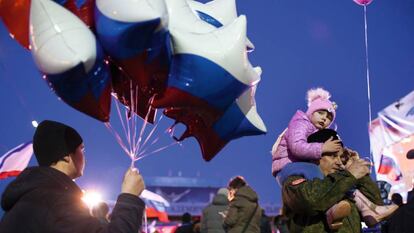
x=299 y=45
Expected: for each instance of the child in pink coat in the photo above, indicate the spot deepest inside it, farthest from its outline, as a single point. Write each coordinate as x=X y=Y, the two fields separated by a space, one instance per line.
x=292 y=146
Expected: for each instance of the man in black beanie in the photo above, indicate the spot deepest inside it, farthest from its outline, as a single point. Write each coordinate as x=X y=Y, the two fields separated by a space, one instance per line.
x=45 y=199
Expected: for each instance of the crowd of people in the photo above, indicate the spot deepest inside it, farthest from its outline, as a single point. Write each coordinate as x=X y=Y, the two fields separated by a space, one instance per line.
x=326 y=187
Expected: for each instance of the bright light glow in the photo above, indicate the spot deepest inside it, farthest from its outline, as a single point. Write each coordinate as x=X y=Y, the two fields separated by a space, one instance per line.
x=91 y=198
x=35 y=124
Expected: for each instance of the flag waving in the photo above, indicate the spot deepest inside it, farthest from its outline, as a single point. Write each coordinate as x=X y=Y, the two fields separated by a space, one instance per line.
x=15 y=160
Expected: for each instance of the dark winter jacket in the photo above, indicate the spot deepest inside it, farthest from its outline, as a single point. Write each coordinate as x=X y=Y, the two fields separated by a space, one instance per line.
x=45 y=200
x=401 y=221
x=240 y=209
x=212 y=220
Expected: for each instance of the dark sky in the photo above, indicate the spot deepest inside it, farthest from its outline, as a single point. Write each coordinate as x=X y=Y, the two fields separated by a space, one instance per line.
x=299 y=45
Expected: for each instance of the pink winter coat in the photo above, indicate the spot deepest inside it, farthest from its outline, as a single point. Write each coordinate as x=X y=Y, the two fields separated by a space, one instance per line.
x=293 y=146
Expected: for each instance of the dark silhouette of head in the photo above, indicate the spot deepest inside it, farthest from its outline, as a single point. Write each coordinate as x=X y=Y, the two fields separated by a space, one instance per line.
x=397 y=199
x=410 y=154
x=186 y=217
x=237 y=182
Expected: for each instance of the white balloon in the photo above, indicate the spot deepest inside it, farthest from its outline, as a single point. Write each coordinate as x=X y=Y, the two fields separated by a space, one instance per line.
x=59 y=40
x=224 y=46
x=225 y=11
x=182 y=17
x=222 y=10
x=129 y=10
x=247 y=104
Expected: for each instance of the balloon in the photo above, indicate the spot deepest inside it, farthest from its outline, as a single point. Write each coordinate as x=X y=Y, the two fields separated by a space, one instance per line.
x=363 y=2
x=199 y=122
x=126 y=28
x=144 y=76
x=223 y=11
x=181 y=17
x=210 y=68
x=65 y=50
x=84 y=9
x=218 y=13
x=133 y=36
x=241 y=118
x=213 y=130
x=15 y=15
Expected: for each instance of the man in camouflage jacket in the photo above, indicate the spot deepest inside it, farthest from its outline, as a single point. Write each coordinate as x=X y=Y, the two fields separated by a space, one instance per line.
x=311 y=190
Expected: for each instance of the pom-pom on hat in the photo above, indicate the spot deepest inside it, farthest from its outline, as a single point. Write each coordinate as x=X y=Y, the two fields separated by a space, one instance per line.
x=53 y=140
x=318 y=99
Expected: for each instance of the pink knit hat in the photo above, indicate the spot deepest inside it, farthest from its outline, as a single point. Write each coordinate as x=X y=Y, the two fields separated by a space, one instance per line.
x=318 y=99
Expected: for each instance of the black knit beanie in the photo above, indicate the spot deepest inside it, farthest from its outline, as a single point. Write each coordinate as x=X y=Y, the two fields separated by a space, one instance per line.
x=323 y=135
x=53 y=140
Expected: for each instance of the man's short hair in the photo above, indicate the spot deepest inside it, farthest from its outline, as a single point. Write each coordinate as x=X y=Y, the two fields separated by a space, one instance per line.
x=237 y=182
x=323 y=135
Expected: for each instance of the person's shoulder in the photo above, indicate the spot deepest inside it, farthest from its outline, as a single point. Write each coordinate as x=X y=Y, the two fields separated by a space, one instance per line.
x=294 y=181
x=298 y=117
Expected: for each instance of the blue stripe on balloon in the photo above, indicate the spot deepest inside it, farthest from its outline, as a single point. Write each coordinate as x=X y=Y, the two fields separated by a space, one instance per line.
x=75 y=83
x=79 y=3
x=205 y=79
x=209 y=19
x=61 y=2
x=123 y=40
x=160 y=47
x=234 y=124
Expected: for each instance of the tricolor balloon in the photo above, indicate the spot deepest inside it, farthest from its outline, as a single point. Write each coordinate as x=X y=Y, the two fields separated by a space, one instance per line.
x=189 y=58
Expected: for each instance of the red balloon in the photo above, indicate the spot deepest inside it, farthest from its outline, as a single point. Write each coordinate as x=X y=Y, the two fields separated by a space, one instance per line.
x=146 y=78
x=84 y=12
x=199 y=123
x=363 y=2
x=15 y=15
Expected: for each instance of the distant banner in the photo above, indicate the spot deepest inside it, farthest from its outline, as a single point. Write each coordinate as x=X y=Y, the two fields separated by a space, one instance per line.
x=391 y=137
x=194 y=199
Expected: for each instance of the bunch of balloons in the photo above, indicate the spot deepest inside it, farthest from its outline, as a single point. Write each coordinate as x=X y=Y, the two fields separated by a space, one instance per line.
x=189 y=58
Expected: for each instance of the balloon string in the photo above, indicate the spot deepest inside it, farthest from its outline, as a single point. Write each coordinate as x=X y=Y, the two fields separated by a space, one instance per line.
x=151 y=133
x=145 y=123
x=117 y=137
x=120 y=117
x=134 y=100
x=157 y=150
x=367 y=73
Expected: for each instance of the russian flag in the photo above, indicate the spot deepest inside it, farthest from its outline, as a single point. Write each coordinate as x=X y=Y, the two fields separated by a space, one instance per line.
x=389 y=167
x=155 y=205
x=15 y=160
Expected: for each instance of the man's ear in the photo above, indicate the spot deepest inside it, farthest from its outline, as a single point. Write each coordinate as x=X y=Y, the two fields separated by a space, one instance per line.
x=66 y=158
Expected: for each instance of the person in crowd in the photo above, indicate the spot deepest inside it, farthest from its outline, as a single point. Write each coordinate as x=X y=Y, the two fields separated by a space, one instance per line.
x=186 y=224
x=45 y=198
x=101 y=212
x=212 y=219
x=309 y=190
x=243 y=214
x=293 y=146
x=397 y=199
x=280 y=224
x=265 y=223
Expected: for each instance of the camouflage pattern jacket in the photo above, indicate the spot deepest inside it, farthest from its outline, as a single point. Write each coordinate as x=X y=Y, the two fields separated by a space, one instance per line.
x=306 y=201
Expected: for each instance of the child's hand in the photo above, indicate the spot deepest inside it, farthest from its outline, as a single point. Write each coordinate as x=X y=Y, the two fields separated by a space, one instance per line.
x=331 y=146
